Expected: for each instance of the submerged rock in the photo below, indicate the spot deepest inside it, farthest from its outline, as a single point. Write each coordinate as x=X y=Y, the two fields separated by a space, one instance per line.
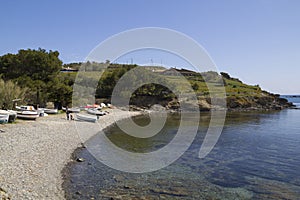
x=80 y=160
x=4 y=195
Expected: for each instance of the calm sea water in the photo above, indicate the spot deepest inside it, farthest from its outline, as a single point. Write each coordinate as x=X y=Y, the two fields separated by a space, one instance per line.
x=256 y=157
x=293 y=98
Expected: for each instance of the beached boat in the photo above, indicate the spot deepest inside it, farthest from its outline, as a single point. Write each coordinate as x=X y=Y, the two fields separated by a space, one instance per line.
x=72 y=110
x=48 y=110
x=102 y=105
x=94 y=111
x=4 y=118
x=12 y=115
x=28 y=112
x=88 y=118
x=88 y=106
x=51 y=111
x=41 y=113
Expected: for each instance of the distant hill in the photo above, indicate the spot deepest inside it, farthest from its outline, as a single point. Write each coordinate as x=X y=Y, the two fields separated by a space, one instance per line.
x=239 y=96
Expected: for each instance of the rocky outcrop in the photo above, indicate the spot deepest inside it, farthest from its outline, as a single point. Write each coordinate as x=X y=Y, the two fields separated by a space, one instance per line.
x=267 y=102
x=234 y=103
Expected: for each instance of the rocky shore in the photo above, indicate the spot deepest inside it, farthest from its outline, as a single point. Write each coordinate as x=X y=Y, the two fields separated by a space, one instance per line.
x=33 y=154
x=267 y=102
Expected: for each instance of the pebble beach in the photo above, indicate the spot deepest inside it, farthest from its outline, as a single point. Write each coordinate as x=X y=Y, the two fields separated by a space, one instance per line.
x=33 y=154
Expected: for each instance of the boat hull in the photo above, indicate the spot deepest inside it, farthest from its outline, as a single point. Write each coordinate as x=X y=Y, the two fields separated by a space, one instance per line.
x=12 y=116
x=49 y=111
x=4 y=118
x=95 y=112
x=30 y=115
x=88 y=118
x=72 y=110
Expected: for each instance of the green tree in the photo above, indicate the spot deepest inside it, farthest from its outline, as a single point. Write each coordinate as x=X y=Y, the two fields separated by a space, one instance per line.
x=33 y=69
x=10 y=91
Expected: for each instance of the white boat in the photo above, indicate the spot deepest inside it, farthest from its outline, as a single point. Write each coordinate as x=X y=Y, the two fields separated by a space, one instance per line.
x=28 y=112
x=94 y=111
x=12 y=115
x=72 y=110
x=40 y=112
x=25 y=108
x=4 y=118
x=48 y=110
x=109 y=105
x=51 y=111
x=88 y=118
x=102 y=105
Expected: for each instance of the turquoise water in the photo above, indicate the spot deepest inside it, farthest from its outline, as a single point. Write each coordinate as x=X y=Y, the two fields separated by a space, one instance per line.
x=256 y=157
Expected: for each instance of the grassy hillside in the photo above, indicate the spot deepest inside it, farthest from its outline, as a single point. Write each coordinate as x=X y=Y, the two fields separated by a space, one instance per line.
x=239 y=96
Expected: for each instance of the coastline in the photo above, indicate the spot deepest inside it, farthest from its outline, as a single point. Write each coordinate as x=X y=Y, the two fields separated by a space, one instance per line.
x=34 y=153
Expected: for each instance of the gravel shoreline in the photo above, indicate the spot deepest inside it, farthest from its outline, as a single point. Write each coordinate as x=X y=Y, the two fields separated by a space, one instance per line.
x=33 y=154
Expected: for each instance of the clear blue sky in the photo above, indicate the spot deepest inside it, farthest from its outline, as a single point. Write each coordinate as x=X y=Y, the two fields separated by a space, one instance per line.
x=257 y=41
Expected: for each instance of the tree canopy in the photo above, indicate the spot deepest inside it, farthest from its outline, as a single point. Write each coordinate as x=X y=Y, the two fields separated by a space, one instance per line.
x=37 y=70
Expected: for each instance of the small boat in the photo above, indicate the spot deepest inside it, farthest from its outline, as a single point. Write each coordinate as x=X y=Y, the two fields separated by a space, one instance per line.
x=88 y=118
x=72 y=110
x=102 y=105
x=97 y=112
x=28 y=112
x=4 y=116
x=88 y=106
x=12 y=115
x=40 y=112
x=48 y=110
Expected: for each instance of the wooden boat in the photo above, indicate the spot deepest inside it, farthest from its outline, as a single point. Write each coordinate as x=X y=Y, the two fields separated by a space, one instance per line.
x=88 y=118
x=94 y=111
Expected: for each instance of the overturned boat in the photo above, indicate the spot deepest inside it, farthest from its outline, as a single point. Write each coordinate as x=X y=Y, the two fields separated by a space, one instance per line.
x=94 y=111
x=71 y=110
x=88 y=118
x=49 y=110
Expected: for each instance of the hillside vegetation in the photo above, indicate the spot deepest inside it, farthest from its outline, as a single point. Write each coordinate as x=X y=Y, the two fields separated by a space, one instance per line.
x=35 y=77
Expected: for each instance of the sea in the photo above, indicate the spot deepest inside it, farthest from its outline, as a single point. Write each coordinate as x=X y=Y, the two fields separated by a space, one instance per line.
x=256 y=157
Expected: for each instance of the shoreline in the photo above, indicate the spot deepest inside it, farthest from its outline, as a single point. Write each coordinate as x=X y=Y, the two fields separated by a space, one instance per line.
x=229 y=110
x=34 y=153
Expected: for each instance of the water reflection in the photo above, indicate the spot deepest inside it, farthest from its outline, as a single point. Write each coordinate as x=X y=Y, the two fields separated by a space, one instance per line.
x=257 y=156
